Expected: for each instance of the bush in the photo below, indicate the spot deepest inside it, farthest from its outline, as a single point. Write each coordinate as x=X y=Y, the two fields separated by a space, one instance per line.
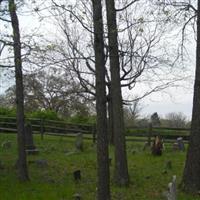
x=80 y=119
x=44 y=114
x=8 y=112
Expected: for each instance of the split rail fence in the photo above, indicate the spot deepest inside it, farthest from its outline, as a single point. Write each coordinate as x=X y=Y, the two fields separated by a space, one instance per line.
x=61 y=128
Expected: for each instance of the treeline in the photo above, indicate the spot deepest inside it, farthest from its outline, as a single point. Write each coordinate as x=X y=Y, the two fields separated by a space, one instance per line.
x=171 y=120
x=50 y=115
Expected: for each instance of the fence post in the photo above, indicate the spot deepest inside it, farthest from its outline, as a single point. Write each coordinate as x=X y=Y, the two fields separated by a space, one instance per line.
x=94 y=133
x=42 y=128
x=150 y=129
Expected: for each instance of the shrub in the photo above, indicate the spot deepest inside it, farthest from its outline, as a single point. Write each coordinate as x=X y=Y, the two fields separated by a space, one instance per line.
x=80 y=119
x=44 y=114
x=8 y=112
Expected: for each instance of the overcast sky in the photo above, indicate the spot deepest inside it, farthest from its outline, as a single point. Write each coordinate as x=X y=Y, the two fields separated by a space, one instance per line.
x=171 y=100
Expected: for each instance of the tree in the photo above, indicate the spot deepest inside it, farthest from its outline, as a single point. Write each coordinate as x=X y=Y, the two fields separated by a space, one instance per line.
x=132 y=112
x=155 y=120
x=143 y=58
x=191 y=180
x=176 y=120
x=102 y=137
x=50 y=90
x=121 y=166
x=185 y=13
x=21 y=163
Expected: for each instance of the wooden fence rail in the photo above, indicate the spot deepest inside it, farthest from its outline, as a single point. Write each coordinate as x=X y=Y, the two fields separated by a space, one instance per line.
x=43 y=126
x=53 y=127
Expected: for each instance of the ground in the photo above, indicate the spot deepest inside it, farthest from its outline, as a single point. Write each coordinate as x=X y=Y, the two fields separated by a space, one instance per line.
x=149 y=175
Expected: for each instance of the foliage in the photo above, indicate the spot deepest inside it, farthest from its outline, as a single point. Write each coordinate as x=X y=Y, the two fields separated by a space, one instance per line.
x=143 y=122
x=155 y=120
x=52 y=90
x=175 y=120
x=132 y=113
x=44 y=114
x=81 y=119
x=8 y=112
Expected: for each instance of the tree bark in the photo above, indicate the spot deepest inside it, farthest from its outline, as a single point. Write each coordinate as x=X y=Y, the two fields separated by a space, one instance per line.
x=110 y=119
x=103 y=185
x=121 y=167
x=191 y=179
x=21 y=163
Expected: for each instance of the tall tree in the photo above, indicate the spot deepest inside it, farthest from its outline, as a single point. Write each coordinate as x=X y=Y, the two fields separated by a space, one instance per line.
x=121 y=166
x=191 y=180
x=102 y=137
x=21 y=163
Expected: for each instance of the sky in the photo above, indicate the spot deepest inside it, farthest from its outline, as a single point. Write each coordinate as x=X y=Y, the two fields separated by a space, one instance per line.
x=171 y=100
x=167 y=104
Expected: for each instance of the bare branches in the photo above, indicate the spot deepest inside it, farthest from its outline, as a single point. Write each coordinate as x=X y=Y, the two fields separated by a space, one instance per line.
x=74 y=15
x=5 y=20
x=7 y=66
x=125 y=7
x=180 y=5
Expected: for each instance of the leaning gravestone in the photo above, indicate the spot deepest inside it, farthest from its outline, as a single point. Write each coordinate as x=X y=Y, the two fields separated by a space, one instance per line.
x=171 y=193
x=79 y=142
x=30 y=147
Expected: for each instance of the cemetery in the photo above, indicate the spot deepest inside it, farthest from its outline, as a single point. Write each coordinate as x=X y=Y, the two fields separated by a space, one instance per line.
x=81 y=86
x=65 y=168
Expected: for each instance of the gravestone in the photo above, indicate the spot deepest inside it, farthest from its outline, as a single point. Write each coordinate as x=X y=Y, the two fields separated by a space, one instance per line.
x=157 y=146
x=146 y=146
x=79 y=142
x=41 y=163
x=77 y=175
x=171 y=193
x=168 y=164
x=175 y=146
x=6 y=145
x=1 y=165
x=30 y=147
x=180 y=143
x=77 y=196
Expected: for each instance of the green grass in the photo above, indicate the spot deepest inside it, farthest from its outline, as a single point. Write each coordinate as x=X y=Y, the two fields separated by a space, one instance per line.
x=55 y=182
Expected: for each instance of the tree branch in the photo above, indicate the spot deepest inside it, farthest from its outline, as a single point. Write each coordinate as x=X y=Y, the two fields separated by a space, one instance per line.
x=125 y=7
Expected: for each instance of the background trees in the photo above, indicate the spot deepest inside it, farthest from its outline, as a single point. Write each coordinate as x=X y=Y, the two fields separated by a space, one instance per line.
x=51 y=90
x=176 y=120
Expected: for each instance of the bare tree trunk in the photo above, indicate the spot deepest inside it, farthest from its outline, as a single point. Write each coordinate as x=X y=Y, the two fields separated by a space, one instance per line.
x=21 y=163
x=191 y=179
x=121 y=167
x=110 y=119
x=102 y=136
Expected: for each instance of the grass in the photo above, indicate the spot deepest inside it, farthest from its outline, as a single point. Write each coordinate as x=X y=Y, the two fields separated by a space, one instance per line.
x=55 y=182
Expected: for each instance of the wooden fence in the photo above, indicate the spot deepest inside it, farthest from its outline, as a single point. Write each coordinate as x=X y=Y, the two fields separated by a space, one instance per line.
x=164 y=132
x=52 y=127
